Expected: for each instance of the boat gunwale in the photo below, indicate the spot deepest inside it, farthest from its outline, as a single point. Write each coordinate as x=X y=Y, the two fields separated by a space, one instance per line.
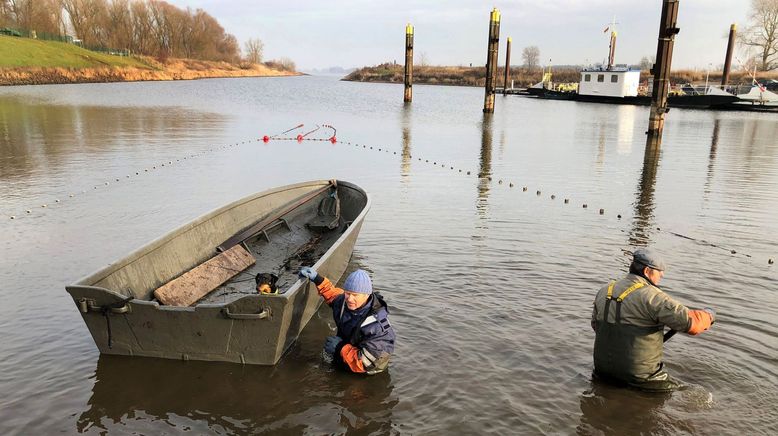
x=85 y=282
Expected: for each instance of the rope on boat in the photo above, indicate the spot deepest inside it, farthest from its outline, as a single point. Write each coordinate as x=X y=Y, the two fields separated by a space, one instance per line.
x=106 y=310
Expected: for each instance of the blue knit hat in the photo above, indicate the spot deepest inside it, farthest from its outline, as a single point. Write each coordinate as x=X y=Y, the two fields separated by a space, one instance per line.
x=358 y=282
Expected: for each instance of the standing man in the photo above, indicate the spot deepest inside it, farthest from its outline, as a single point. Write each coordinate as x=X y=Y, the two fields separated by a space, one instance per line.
x=365 y=339
x=629 y=317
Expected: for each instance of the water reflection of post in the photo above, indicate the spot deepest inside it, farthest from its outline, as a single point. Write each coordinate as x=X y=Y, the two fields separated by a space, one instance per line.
x=405 y=163
x=644 y=203
x=485 y=161
x=601 y=147
x=714 y=144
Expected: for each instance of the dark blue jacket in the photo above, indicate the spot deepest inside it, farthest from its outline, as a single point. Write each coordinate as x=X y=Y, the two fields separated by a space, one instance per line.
x=366 y=329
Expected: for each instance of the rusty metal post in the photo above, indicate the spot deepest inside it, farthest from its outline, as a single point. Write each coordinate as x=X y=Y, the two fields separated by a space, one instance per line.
x=730 y=49
x=408 y=63
x=507 y=67
x=661 y=70
x=612 y=51
x=491 y=60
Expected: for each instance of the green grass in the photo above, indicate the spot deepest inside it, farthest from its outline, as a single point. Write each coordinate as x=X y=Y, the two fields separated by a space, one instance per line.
x=18 y=52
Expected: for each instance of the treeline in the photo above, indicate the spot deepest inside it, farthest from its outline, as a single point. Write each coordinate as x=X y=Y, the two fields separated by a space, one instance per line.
x=147 y=27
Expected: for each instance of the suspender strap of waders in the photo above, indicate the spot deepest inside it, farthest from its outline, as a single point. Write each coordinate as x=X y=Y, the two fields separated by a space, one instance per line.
x=619 y=299
x=624 y=295
x=608 y=301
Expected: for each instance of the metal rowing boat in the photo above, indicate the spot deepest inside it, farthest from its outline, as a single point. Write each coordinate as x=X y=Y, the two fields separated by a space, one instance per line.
x=313 y=223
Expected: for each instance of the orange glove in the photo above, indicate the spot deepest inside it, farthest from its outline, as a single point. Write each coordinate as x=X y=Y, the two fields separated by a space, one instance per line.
x=701 y=321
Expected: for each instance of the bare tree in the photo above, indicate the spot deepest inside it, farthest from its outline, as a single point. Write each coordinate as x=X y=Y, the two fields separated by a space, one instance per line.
x=647 y=63
x=141 y=28
x=531 y=57
x=148 y=27
x=38 y=15
x=424 y=60
x=119 y=21
x=762 y=34
x=254 y=47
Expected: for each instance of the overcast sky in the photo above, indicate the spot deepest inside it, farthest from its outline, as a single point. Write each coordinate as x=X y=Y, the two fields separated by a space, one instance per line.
x=352 y=33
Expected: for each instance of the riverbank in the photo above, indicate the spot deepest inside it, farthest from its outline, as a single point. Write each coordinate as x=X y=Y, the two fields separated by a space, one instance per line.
x=475 y=76
x=32 y=62
x=177 y=69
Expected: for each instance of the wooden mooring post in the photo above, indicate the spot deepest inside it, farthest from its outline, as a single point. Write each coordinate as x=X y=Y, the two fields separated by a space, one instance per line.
x=491 y=60
x=408 y=96
x=728 y=59
x=507 y=67
x=661 y=70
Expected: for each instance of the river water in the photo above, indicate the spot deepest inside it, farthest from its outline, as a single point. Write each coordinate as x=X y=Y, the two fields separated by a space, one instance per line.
x=489 y=286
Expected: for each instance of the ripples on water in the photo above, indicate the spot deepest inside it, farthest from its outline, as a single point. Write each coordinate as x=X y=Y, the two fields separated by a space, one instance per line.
x=490 y=287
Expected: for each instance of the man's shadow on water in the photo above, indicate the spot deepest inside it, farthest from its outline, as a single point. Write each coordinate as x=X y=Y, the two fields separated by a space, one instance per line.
x=611 y=409
x=292 y=397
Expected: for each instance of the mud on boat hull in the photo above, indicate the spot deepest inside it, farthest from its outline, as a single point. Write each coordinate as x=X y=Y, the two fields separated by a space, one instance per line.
x=117 y=305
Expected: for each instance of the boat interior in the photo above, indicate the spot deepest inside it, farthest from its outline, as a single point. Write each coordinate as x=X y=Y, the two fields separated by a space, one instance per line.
x=274 y=233
x=298 y=239
x=283 y=245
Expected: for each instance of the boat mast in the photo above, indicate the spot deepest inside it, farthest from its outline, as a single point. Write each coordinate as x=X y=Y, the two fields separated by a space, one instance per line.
x=612 y=47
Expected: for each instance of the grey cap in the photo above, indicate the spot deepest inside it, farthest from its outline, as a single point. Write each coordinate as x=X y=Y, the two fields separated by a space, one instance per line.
x=649 y=258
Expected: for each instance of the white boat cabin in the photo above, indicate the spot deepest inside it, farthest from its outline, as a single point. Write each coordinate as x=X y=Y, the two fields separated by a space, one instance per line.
x=609 y=83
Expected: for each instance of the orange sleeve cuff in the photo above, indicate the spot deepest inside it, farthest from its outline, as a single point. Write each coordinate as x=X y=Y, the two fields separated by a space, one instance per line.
x=701 y=321
x=328 y=290
x=350 y=356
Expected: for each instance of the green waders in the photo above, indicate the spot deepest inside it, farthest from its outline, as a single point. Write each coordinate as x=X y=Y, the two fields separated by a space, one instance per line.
x=630 y=354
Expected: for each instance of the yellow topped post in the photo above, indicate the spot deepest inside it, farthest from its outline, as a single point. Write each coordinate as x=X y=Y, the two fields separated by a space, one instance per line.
x=495 y=15
x=491 y=60
x=408 y=94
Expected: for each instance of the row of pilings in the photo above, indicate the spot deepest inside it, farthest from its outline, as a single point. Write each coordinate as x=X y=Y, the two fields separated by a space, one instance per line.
x=660 y=71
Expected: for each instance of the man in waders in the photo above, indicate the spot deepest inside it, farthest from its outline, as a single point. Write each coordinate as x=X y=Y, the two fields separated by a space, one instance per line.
x=629 y=317
x=365 y=339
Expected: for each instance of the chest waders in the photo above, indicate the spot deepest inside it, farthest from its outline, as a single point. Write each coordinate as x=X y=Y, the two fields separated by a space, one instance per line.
x=629 y=353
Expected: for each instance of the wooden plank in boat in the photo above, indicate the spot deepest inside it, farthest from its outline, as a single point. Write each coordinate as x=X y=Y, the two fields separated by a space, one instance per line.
x=204 y=278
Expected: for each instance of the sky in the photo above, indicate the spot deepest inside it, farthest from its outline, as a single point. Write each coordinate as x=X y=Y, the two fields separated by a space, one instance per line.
x=354 y=33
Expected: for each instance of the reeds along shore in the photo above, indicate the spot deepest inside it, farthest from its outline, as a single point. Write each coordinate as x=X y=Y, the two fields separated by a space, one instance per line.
x=521 y=77
x=172 y=69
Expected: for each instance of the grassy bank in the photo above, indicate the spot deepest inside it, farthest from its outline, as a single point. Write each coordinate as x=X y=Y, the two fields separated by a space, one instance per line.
x=27 y=62
x=24 y=52
x=474 y=76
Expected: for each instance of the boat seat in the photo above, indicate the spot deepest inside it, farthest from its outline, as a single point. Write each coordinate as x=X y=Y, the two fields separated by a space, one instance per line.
x=328 y=214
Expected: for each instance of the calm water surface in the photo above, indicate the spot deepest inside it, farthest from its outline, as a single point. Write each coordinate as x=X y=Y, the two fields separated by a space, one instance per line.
x=490 y=287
